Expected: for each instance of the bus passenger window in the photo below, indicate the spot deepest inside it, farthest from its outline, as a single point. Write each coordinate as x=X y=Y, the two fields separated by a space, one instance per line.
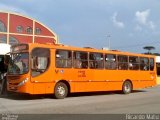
x=133 y=63
x=122 y=62
x=96 y=61
x=40 y=60
x=144 y=64
x=110 y=62
x=63 y=59
x=80 y=60
x=151 y=64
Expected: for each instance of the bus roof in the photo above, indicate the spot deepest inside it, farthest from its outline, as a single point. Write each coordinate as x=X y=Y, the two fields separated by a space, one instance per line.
x=88 y=49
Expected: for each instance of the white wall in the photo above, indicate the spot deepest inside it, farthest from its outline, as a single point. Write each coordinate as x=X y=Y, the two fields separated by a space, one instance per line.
x=4 y=48
x=157 y=59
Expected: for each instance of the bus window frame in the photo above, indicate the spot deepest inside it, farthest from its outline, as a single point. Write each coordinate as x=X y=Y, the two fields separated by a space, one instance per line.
x=97 y=61
x=113 y=64
x=133 y=65
x=66 y=60
x=79 y=62
x=121 y=64
x=145 y=66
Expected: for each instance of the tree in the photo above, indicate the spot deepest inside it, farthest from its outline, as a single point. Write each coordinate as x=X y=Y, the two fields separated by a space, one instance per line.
x=149 y=48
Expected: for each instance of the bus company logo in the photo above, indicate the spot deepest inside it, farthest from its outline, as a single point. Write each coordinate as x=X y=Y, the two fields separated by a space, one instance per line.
x=61 y=71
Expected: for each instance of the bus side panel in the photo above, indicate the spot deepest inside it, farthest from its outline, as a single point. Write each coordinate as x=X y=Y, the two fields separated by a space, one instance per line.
x=106 y=80
x=143 y=84
x=43 y=88
x=144 y=79
x=95 y=80
x=96 y=86
x=39 y=88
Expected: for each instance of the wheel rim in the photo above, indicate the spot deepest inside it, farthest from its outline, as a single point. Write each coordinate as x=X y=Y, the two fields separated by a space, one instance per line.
x=61 y=90
x=127 y=87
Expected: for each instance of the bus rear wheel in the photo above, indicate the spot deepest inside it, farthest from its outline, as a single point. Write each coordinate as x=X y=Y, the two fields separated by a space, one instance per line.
x=127 y=87
x=60 y=90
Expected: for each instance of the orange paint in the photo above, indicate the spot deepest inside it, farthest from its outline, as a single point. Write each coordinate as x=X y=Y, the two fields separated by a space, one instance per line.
x=83 y=79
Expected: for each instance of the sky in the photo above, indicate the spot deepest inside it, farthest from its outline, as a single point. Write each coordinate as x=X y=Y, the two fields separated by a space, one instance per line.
x=126 y=25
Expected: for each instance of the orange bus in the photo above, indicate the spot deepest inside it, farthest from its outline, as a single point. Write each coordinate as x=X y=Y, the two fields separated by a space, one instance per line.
x=60 y=70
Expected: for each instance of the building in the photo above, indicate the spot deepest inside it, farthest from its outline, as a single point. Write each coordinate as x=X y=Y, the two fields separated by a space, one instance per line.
x=15 y=28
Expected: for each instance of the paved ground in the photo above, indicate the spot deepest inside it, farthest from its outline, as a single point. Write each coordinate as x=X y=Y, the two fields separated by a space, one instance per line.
x=140 y=101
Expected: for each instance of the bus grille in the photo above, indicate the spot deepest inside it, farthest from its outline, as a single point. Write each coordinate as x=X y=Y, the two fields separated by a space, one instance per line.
x=13 y=77
x=13 y=84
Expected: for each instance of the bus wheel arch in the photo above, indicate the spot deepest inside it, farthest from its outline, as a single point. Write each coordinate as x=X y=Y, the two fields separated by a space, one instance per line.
x=61 y=89
x=127 y=87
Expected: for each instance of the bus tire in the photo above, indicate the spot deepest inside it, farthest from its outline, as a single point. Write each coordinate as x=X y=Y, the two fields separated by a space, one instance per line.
x=60 y=90
x=127 y=87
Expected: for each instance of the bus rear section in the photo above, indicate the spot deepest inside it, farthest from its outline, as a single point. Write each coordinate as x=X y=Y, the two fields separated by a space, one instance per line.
x=60 y=70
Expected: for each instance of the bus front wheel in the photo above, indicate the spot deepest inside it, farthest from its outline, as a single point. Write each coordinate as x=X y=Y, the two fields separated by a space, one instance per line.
x=127 y=87
x=60 y=90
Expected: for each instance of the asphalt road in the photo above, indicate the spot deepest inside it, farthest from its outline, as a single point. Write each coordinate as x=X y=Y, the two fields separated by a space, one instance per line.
x=140 y=101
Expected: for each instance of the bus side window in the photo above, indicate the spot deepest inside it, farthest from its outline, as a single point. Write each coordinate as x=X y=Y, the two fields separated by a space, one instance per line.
x=133 y=63
x=63 y=59
x=144 y=64
x=77 y=64
x=40 y=61
x=122 y=62
x=96 y=60
x=110 y=62
x=80 y=59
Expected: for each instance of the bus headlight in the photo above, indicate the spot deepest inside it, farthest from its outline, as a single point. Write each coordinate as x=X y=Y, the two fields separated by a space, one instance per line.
x=23 y=82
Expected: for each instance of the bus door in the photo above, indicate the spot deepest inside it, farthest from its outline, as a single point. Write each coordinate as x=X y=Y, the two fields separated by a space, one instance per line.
x=40 y=61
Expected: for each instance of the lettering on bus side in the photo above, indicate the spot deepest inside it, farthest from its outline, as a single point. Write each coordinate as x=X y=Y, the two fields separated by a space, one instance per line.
x=81 y=73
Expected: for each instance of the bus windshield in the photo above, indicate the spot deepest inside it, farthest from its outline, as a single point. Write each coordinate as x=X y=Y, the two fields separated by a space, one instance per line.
x=18 y=63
